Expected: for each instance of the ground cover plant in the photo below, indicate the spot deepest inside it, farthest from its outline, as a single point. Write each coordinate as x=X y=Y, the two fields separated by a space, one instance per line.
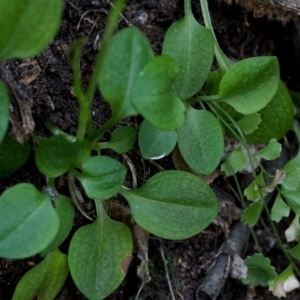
x=239 y=99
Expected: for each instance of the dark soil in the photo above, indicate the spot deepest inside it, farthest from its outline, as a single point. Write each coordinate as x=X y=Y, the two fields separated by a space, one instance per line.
x=240 y=36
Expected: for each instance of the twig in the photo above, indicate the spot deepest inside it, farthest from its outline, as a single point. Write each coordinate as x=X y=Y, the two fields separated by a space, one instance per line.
x=167 y=272
x=216 y=277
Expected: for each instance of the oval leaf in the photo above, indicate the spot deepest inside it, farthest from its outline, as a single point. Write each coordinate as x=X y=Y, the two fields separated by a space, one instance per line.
x=45 y=280
x=200 y=141
x=27 y=26
x=152 y=94
x=4 y=110
x=65 y=211
x=155 y=143
x=192 y=47
x=127 y=54
x=99 y=256
x=122 y=139
x=101 y=177
x=173 y=205
x=12 y=156
x=28 y=221
x=277 y=118
x=249 y=85
x=57 y=155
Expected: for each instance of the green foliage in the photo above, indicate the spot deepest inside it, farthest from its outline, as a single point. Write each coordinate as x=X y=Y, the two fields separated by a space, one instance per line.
x=276 y=117
x=65 y=211
x=295 y=251
x=45 y=280
x=249 y=123
x=127 y=54
x=292 y=199
x=12 y=156
x=99 y=256
x=57 y=155
x=4 y=110
x=260 y=270
x=28 y=221
x=200 y=141
x=122 y=140
x=254 y=190
x=155 y=143
x=152 y=95
x=252 y=213
x=235 y=162
x=192 y=47
x=101 y=177
x=27 y=26
x=173 y=205
x=245 y=99
x=271 y=151
x=279 y=209
x=249 y=85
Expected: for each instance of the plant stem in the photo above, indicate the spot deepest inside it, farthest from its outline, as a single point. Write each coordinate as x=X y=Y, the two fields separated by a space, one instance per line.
x=242 y=141
x=98 y=134
x=56 y=131
x=187 y=7
x=99 y=206
x=279 y=239
x=223 y=61
x=84 y=114
x=208 y=98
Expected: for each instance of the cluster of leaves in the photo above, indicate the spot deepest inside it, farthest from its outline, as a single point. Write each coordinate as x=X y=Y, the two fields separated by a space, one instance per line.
x=246 y=100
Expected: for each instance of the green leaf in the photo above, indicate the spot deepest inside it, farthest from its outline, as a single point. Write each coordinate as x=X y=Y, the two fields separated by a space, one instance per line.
x=235 y=162
x=122 y=139
x=292 y=179
x=249 y=85
x=295 y=251
x=212 y=83
x=271 y=151
x=57 y=155
x=252 y=213
x=253 y=191
x=200 y=141
x=13 y=155
x=45 y=280
x=277 y=118
x=65 y=211
x=152 y=95
x=155 y=143
x=192 y=47
x=99 y=256
x=173 y=205
x=4 y=109
x=292 y=199
x=28 y=221
x=249 y=123
x=27 y=26
x=101 y=177
x=279 y=209
x=127 y=54
x=291 y=164
x=260 y=270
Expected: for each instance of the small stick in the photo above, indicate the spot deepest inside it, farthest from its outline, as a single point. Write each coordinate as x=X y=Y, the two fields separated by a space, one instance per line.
x=167 y=272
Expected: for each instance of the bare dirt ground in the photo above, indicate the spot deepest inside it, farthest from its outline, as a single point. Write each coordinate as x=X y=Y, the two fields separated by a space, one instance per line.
x=47 y=79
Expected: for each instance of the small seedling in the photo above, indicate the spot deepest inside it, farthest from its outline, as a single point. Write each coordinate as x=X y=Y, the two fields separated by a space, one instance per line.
x=245 y=100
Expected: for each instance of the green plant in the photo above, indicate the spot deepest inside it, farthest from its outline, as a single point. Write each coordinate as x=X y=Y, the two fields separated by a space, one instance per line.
x=240 y=99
